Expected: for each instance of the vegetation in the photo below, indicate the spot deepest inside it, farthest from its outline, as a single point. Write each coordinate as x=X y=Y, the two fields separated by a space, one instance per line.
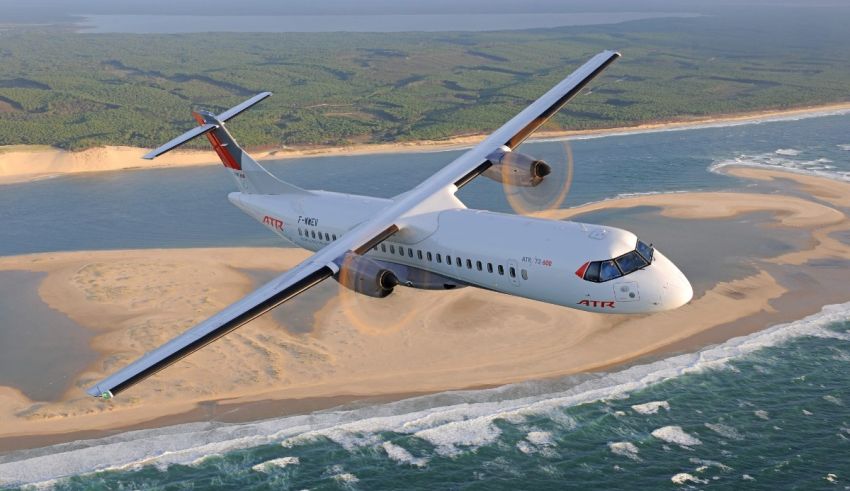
x=75 y=90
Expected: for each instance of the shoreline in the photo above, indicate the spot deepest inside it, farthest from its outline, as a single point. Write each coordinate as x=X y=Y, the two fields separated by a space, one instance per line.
x=133 y=300
x=17 y=161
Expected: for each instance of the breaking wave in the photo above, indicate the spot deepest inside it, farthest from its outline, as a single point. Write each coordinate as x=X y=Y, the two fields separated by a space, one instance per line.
x=450 y=422
x=783 y=159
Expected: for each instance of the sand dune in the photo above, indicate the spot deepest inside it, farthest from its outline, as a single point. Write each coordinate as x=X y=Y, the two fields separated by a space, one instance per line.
x=414 y=341
x=19 y=163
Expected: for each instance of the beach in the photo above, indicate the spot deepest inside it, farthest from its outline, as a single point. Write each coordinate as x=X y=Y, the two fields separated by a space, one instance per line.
x=130 y=301
x=21 y=163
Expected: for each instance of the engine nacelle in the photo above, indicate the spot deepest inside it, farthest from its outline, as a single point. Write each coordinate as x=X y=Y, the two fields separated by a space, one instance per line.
x=419 y=278
x=516 y=169
x=365 y=275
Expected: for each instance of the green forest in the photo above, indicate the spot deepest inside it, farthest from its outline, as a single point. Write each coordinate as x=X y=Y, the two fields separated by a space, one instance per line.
x=72 y=90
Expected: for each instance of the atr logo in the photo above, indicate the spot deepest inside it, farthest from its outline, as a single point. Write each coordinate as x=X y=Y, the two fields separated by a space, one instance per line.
x=602 y=304
x=273 y=222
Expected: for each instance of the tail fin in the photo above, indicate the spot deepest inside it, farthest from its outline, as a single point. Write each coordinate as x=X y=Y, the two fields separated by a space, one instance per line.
x=250 y=177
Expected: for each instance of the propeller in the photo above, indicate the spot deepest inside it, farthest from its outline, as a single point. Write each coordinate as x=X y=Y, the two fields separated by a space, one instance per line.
x=550 y=182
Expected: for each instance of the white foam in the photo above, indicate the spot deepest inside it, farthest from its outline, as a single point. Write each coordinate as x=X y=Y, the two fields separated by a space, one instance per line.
x=675 y=434
x=540 y=438
x=402 y=456
x=844 y=146
x=761 y=413
x=748 y=477
x=725 y=431
x=626 y=449
x=451 y=421
x=807 y=413
x=270 y=465
x=651 y=407
x=710 y=463
x=787 y=151
x=833 y=399
x=685 y=478
x=780 y=161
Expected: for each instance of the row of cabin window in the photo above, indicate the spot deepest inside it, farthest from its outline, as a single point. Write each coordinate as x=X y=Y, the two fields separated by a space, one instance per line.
x=458 y=261
x=312 y=233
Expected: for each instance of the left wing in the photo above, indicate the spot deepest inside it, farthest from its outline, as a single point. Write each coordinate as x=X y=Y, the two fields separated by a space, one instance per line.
x=361 y=238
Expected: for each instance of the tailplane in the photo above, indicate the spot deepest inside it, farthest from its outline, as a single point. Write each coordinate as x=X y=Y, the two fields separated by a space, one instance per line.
x=250 y=176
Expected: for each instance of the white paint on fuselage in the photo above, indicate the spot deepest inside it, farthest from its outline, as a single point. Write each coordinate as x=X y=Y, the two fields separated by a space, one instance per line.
x=517 y=255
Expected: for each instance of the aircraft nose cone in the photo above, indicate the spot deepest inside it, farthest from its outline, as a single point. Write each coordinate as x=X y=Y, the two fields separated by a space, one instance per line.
x=676 y=290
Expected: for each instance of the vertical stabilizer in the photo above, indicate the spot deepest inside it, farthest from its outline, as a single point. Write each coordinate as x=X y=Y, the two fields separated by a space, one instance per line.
x=250 y=176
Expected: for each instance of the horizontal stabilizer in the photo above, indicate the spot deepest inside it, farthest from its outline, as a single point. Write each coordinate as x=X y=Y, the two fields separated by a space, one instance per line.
x=237 y=110
x=206 y=128
x=185 y=137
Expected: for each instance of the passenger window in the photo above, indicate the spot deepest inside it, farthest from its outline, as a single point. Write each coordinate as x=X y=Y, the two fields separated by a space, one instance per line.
x=400 y=250
x=392 y=249
x=524 y=274
x=430 y=257
x=459 y=262
x=410 y=252
x=592 y=272
x=630 y=262
x=383 y=248
x=489 y=267
x=327 y=237
x=439 y=258
x=501 y=270
x=478 y=265
x=419 y=254
x=448 y=260
x=512 y=272
x=313 y=233
x=608 y=271
x=333 y=236
x=468 y=264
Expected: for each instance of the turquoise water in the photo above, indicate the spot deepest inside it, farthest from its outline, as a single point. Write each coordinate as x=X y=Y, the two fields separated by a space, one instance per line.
x=766 y=411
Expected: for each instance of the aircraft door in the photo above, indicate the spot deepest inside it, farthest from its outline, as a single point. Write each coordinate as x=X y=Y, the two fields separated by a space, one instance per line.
x=512 y=266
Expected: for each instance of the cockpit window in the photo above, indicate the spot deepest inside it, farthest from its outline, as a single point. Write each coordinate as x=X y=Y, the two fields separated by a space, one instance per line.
x=645 y=251
x=609 y=269
x=630 y=262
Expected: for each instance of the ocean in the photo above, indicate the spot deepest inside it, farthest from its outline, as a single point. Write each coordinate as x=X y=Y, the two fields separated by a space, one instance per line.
x=764 y=411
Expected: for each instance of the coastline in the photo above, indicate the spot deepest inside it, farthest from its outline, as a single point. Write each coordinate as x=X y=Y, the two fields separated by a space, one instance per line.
x=134 y=300
x=22 y=163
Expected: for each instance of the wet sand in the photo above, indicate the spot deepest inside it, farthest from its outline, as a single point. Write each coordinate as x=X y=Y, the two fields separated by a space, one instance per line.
x=132 y=301
x=21 y=163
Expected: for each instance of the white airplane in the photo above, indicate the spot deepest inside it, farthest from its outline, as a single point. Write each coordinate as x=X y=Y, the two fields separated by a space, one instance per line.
x=426 y=238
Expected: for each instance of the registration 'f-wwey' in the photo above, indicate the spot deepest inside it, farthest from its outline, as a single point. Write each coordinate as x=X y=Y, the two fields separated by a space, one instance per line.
x=426 y=237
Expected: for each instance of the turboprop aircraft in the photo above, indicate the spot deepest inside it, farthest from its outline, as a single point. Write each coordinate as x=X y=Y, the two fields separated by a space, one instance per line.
x=426 y=238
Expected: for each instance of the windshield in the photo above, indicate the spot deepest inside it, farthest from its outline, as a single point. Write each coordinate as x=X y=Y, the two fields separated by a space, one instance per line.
x=609 y=269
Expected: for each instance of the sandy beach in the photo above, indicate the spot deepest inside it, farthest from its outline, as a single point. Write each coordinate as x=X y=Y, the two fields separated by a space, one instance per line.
x=21 y=163
x=416 y=341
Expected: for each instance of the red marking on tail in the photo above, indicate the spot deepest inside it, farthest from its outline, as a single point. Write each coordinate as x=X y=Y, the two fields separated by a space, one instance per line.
x=223 y=154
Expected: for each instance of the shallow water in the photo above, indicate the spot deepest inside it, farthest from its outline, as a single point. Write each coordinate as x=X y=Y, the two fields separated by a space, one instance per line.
x=187 y=207
x=27 y=327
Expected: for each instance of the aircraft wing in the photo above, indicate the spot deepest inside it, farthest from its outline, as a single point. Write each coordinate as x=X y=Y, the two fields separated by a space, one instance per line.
x=361 y=238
